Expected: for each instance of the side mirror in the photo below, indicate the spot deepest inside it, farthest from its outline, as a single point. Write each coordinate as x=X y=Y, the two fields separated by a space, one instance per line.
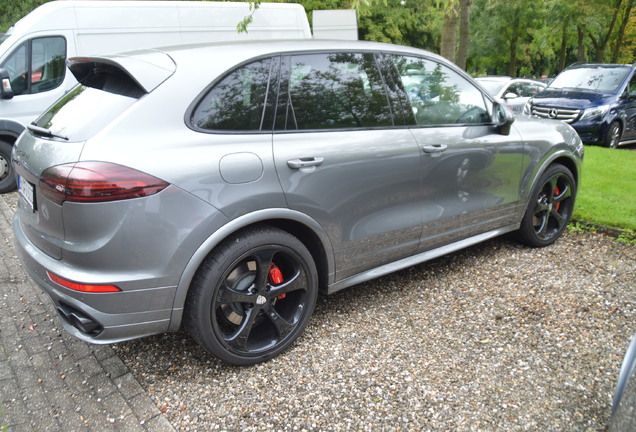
x=510 y=95
x=503 y=118
x=6 y=92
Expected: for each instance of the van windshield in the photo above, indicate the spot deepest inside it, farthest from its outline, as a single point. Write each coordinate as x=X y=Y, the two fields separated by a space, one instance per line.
x=603 y=79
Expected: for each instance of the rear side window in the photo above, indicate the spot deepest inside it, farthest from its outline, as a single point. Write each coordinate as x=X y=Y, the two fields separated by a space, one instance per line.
x=333 y=91
x=37 y=65
x=237 y=102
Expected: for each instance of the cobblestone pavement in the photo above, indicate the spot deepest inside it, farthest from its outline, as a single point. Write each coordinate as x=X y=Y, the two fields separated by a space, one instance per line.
x=50 y=381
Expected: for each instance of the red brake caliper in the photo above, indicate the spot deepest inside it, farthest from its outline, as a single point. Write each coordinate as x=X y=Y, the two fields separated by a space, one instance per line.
x=275 y=278
x=557 y=192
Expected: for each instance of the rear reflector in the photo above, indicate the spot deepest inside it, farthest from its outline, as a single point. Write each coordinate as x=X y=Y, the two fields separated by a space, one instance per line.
x=75 y=286
x=97 y=182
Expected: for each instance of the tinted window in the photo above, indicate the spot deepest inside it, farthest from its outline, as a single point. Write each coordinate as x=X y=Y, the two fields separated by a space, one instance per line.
x=75 y=115
x=37 y=65
x=439 y=95
x=237 y=102
x=336 y=90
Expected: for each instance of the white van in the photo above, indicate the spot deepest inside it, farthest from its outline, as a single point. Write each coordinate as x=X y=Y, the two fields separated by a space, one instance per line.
x=33 y=52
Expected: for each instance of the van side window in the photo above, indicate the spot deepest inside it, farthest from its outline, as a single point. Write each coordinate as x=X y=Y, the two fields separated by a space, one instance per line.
x=331 y=91
x=237 y=102
x=438 y=95
x=37 y=65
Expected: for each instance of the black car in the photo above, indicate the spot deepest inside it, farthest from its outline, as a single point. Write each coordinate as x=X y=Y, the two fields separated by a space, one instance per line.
x=598 y=100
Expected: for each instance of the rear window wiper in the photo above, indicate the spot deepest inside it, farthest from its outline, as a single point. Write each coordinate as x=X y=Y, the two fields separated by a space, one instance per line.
x=45 y=132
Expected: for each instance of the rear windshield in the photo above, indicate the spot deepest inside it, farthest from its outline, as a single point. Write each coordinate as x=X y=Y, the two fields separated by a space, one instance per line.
x=83 y=112
x=593 y=78
x=102 y=95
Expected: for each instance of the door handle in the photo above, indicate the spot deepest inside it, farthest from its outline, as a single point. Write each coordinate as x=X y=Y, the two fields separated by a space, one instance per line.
x=305 y=162
x=435 y=148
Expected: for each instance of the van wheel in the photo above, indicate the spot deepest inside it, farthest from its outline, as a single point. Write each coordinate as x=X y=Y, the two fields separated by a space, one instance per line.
x=7 y=178
x=253 y=296
x=613 y=135
x=550 y=207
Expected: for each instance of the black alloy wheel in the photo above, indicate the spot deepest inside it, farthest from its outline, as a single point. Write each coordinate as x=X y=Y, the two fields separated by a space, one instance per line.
x=253 y=296
x=550 y=208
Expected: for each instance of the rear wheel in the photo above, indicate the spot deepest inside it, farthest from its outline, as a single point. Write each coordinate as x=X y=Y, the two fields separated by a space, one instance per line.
x=253 y=296
x=550 y=207
x=613 y=135
x=7 y=178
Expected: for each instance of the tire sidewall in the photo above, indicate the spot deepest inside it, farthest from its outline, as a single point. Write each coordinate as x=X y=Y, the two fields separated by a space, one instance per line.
x=8 y=183
x=216 y=268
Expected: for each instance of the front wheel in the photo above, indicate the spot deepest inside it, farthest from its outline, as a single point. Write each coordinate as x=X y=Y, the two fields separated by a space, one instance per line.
x=550 y=207
x=7 y=177
x=253 y=296
x=613 y=135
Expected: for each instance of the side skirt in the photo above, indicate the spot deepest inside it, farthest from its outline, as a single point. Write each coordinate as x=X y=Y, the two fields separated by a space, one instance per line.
x=417 y=259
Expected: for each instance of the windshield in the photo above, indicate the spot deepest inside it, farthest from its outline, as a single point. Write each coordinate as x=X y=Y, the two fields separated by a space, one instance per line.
x=604 y=79
x=492 y=87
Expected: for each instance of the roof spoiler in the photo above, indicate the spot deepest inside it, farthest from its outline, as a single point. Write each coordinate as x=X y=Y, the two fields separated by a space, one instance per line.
x=147 y=69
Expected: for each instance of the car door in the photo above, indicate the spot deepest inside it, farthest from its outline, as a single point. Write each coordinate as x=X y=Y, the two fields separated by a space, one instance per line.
x=471 y=173
x=343 y=159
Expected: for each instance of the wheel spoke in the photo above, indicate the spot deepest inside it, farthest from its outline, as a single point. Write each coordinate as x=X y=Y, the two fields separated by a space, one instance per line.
x=560 y=220
x=283 y=327
x=263 y=260
x=238 y=339
x=228 y=295
x=566 y=193
x=294 y=283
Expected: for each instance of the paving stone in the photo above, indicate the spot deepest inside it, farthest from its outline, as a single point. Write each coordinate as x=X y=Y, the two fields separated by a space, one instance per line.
x=49 y=380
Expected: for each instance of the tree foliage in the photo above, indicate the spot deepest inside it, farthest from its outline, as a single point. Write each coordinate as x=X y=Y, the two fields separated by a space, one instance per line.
x=520 y=37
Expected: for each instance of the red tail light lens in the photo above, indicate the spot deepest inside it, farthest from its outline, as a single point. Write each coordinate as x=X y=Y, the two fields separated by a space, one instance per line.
x=97 y=182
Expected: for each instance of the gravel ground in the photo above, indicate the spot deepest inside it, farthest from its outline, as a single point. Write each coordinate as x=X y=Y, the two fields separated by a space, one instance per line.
x=495 y=337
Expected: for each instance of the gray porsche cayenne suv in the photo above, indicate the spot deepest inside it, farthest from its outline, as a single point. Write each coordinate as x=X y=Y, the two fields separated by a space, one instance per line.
x=221 y=187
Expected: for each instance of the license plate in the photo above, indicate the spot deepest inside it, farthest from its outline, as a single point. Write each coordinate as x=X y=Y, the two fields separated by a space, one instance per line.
x=25 y=190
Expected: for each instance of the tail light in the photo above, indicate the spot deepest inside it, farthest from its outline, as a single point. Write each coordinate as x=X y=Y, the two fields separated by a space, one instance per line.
x=91 y=182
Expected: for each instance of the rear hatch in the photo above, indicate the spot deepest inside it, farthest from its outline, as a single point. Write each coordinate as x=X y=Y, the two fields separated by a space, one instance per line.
x=108 y=87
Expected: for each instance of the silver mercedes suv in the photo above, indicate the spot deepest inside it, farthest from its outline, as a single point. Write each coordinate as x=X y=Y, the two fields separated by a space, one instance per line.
x=221 y=187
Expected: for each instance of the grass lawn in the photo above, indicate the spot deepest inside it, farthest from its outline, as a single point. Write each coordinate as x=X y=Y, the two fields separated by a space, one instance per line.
x=607 y=193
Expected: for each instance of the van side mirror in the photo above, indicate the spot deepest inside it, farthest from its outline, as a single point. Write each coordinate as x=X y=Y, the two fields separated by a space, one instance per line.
x=6 y=92
x=503 y=118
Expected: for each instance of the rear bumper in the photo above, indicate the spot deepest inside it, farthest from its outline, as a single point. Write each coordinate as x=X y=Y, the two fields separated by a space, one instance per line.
x=116 y=316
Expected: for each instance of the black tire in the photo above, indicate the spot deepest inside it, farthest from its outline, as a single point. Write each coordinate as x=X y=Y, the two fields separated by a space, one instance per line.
x=613 y=135
x=242 y=313
x=549 y=208
x=7 y=176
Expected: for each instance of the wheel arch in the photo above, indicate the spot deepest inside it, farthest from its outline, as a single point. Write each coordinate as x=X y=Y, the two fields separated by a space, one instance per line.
x=308 y=231
x=10 y=130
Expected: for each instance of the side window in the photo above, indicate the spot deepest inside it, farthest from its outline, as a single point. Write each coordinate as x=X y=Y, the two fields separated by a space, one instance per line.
x=237 y=102
x=334 y=91
x=438 y=95
x=37 y=65
x=47 y=63
x=17 y=66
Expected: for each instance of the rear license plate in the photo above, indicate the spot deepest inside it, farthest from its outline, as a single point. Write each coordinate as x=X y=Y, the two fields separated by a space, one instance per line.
x=26 y=192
